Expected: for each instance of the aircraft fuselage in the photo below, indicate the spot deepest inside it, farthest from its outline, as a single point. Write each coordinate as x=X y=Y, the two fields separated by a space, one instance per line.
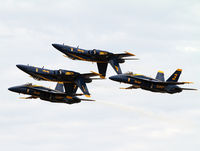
x=41 y=92
x=150 y=85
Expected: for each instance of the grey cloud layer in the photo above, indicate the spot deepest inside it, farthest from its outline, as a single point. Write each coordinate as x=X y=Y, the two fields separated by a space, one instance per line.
x=163 y=34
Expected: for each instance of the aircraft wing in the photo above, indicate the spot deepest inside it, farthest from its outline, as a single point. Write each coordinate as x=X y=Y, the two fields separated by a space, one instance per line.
x=177 y=83
x=30 y=97
x=47 y=90
x=132 y=87
x=86 y=100
x=188 y=89
x=88 y=75
x=125 y=54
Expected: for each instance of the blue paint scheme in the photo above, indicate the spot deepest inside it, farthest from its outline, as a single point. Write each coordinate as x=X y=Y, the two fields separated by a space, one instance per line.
x=46 y=94
x=95 y=55
x=150 y=84
x=65 y=76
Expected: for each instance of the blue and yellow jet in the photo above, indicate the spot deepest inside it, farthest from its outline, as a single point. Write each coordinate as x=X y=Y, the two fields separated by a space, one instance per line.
x=155 y=85
x=72 y=80
x=101 y=57
x=56 y=96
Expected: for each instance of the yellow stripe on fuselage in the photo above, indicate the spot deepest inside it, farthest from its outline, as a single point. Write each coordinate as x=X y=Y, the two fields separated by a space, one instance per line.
x=83 y=59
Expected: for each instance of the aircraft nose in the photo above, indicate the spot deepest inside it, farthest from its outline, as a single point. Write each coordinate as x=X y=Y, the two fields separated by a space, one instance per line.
x=13 y=89
x=57 y=46
x=115 y=78
x=22 y=67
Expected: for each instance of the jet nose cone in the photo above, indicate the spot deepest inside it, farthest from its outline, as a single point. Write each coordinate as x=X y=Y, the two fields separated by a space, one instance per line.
x=13 y=89
x=114 y=78
x=21 y=67
x=57 y=46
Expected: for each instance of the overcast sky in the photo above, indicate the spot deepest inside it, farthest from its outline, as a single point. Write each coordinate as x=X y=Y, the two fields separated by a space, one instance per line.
x=165 y=35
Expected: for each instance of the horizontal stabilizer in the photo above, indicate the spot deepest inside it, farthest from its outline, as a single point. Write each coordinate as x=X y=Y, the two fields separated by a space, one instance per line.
x=126 y=54
x=30 y=97
x=177 y=83
x=188 y=89
x=86 y=100
x=131 y=58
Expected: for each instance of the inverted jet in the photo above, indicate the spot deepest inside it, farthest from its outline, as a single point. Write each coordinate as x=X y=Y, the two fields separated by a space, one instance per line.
x=72 y=80
x=101 y=57
x=155 y=85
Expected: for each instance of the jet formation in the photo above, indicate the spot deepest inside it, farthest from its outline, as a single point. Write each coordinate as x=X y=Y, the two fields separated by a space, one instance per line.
x=69 y=81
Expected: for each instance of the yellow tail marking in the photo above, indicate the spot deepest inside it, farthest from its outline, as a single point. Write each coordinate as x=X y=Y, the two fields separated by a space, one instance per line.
x=116 y=68
x=175 y=76
x=87 y=96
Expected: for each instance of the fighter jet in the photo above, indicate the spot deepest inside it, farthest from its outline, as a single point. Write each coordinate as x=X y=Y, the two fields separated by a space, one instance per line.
x=72 y=80
x=56 y=96
x=100 y=56
x=155 y=85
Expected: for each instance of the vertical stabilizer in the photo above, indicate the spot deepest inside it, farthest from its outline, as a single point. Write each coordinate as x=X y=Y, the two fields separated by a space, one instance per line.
x=82 y=85
x=102 y=67
x=115 y=66
x=160 y=76
x=175 y=76
x=59 y=87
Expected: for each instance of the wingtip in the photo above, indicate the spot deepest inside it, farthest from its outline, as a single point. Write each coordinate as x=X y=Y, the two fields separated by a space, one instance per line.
x=189 y=82
x=179 y=70
x=131 y=54
x=122 y=88
x=88 y=96
x=101 y=76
